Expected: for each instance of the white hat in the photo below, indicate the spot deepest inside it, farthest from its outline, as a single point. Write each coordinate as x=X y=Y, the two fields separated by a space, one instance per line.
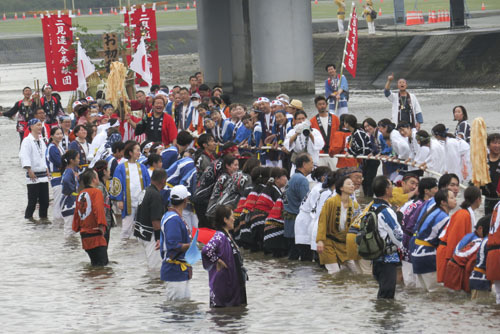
x=283 y=96
x=283 y=100
x=276 y=103
x=179 y=192
x=263 y=99
x=89 y=98
x=76 y=103
x=160 y=92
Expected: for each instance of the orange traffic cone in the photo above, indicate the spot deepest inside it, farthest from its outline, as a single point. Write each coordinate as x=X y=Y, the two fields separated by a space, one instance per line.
x=165 y=7
x=24 y=16
x=447 y=16
x=483 y=7
x=78 y=12
x=176 y=7
x=15 y=16
x=360 y=1
x=194 y=4
x=380 y=12
x=34 y=16
x=116 y=11
x=4 y=17
x=90 y=11
x=187 y=6
x=100 y=11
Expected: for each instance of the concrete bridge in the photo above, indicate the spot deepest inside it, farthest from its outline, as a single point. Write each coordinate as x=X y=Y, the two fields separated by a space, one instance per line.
x=257 y=46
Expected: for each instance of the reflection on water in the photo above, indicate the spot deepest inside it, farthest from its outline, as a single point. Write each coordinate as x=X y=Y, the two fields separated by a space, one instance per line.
x=49 y=287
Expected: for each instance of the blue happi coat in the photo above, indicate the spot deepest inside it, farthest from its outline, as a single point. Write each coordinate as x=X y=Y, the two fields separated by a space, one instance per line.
x=426 y=240
x=120 y=191
x=478 y=280
x=53 y=158
x=69 y=192
x=183 y=171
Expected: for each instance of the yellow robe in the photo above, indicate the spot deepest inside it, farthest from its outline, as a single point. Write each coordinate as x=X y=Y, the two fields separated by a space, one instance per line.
x=368 y=9
x=341 y=10
x=335 y=251
x=398 y=197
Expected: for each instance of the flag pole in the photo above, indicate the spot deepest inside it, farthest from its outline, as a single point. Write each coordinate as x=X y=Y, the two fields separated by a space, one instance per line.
x=353 y=7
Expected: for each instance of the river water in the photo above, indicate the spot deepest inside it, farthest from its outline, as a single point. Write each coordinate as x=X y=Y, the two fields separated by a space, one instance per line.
x=48 y=285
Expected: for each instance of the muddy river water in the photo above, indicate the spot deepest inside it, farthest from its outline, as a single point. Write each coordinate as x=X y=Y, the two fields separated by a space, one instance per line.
x=47 y=285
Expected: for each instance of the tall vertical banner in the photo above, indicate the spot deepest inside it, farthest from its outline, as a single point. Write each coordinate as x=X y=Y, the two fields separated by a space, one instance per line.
x=351 y=50
x=46 y=28
x=60 y=56
x=141 y=21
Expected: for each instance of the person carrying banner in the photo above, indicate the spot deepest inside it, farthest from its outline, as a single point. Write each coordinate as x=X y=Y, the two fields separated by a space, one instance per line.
x=336 y=91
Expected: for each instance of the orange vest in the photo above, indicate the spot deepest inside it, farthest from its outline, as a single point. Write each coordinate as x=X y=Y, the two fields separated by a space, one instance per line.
x=333 y=129
x=340 y=146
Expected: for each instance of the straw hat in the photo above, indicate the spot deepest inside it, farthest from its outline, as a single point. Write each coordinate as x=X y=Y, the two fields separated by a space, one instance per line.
x=297 y=104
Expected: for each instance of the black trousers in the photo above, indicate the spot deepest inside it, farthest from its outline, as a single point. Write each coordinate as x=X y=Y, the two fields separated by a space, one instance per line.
x=299 y=251
x=98 y=256
x=489 y=205
x=37 y=193
x=369 y=168
x=385 y=274
x=201 y=211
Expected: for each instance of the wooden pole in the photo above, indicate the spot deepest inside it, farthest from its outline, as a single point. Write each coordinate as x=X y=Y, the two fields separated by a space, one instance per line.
x=353 y=8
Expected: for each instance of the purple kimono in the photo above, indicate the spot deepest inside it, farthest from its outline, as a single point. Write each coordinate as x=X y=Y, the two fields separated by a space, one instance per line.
x=227 y=286
x=409 y=222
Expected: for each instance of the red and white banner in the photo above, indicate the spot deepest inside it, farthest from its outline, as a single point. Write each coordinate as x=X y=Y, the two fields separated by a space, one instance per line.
x=143 y=20
x=60 y=56
x=351 y=51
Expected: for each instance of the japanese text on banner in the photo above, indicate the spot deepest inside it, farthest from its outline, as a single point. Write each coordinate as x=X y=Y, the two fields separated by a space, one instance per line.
x=59 y=53
x=351 y=56
x=143 y=20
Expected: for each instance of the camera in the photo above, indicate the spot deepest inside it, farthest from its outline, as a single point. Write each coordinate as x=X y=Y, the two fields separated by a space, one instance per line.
x=303 y=128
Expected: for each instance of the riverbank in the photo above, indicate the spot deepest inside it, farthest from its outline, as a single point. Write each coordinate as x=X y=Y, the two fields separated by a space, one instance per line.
x=430 y=55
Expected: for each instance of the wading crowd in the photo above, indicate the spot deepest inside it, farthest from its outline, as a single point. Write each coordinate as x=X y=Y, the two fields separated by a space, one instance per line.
x=265 y=179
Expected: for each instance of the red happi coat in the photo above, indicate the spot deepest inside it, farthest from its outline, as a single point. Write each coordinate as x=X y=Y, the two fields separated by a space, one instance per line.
x=493 y=258
x=460 y=266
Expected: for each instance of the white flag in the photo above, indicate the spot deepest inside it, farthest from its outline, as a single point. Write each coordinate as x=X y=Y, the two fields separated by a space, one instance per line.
x=140 y=63
x=84 y=69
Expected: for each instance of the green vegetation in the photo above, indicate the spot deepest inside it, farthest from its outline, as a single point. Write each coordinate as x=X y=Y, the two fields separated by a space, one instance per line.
x=11 y=6
x=172 y=18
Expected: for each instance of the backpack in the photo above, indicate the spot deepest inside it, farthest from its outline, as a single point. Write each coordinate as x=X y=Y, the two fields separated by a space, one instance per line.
x=373 y=14
x=370 y=245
